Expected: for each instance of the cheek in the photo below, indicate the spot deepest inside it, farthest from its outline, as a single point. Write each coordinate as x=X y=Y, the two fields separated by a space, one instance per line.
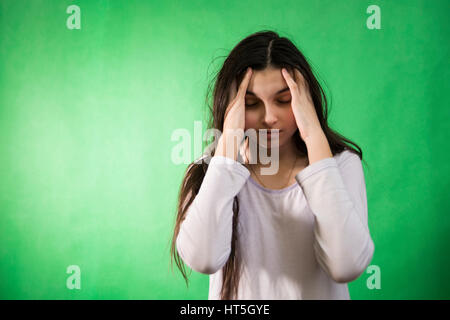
x=289 y=118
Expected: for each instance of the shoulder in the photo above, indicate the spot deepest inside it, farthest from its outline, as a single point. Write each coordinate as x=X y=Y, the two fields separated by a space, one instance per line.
x=348 y=160
x=346 y=156
x=350 y=165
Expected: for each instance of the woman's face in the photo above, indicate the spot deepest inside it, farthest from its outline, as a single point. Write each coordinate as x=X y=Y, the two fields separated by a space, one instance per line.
x=268 y=106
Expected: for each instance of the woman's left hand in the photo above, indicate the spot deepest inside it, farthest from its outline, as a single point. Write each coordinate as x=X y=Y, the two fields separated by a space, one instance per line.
x=302 y=105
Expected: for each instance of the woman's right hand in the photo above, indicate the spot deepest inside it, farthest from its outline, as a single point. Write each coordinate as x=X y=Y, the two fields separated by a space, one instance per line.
x=234 y=123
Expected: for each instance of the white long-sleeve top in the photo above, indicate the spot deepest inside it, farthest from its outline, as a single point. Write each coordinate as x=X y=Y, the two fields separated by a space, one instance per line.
x=306 y=241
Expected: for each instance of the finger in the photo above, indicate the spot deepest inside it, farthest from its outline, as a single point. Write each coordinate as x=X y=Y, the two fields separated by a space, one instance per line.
x=232 y=91
x=242 y=89
x=300 y=79
x=231 y=97
x=244 y=84
x=293 y=86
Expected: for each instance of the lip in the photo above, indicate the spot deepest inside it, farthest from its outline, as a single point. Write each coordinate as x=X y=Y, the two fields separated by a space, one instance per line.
x=270 y=133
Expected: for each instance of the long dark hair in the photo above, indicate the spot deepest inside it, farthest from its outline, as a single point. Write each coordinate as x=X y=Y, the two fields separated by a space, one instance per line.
x=258 y=51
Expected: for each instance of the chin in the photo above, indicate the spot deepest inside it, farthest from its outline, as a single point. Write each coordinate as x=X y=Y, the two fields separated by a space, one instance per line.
x=269 y=144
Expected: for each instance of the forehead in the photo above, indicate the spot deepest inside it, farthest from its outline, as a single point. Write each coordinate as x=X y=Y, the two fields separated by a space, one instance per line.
x=266 y=83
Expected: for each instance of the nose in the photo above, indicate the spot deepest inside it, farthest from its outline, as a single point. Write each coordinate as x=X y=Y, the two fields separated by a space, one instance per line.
x=270 y=118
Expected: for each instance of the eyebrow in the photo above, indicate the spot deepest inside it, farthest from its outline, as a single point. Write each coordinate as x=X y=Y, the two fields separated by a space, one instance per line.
x=276 y=93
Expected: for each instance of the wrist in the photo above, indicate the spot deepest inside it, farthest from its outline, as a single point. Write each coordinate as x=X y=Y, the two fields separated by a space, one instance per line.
x=318 y=147
x=313 y=135
x=227 y=146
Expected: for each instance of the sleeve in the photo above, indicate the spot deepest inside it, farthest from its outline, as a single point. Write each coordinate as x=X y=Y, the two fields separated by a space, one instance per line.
x=337 y=197
x=204 y=240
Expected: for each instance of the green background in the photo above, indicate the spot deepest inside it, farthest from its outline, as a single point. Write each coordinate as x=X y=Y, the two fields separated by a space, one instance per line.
x=86 y=118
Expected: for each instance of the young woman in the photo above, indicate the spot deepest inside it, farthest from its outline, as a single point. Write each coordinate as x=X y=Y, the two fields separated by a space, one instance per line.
x=300 y=233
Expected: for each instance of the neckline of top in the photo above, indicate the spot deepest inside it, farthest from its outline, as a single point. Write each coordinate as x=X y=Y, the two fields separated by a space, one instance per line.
x=292 y=186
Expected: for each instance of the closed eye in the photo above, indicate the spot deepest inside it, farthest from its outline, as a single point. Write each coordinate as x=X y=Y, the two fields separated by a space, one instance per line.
x=254 y=104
